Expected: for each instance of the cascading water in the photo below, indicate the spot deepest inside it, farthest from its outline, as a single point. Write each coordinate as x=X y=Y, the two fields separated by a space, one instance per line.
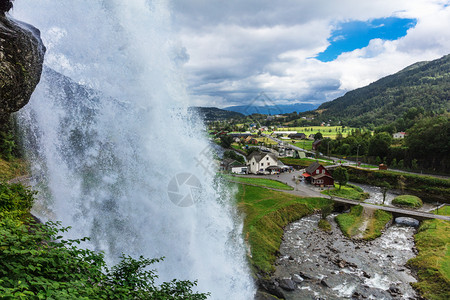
x=110 y=143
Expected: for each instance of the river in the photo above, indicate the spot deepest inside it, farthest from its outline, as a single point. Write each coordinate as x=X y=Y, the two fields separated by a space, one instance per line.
x=320 y=265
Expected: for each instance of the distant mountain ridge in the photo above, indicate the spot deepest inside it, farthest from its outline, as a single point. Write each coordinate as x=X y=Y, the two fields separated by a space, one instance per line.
x=215 y=114
x=272 y=109
x=423 y=84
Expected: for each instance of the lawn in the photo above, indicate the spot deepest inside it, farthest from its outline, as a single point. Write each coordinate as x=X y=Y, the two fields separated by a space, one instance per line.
x=433 y=261
x=266 y=213
x=331 y=131
x=264 y=182
x=301 y=162
x=348 y=192
x=304 y=144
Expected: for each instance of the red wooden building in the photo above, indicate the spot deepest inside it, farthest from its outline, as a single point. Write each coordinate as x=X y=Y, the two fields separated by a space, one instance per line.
x=318 y=175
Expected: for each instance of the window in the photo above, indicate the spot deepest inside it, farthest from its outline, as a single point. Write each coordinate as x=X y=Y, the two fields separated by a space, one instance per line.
x=317 y=171
x=267 y=158
x=323 y=171
x=262 y=164
x=253 y=163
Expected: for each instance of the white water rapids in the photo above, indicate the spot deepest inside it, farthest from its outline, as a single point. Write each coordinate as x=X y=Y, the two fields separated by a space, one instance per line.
x=110 y=138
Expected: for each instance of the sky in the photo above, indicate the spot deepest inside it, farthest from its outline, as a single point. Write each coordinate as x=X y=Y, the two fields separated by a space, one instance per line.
x=302 y=51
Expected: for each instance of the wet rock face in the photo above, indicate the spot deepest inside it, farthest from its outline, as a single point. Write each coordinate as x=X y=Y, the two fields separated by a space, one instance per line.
x=21 y=59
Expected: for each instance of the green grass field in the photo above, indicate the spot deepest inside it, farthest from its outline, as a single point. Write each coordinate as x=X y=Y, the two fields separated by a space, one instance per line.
x=264 y=182
x=266 y=213
x=331 y=131
x=433 y=261
x=348 y=192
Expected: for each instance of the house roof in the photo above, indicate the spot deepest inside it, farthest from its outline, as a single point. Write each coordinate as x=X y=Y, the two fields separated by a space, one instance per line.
x=311 y=168
x=259 y=156
x=321 y=175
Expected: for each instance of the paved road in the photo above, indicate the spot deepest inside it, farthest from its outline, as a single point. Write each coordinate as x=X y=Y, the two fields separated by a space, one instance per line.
x=303 y=189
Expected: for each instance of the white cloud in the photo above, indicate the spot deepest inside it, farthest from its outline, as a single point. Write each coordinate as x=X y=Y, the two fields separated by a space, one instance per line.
x=240 y=48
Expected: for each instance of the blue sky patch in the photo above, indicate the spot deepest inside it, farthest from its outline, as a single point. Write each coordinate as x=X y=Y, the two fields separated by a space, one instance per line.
x=357 y=34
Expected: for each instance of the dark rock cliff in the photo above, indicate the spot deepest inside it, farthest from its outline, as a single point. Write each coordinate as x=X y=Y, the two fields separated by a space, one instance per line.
x=21 y=59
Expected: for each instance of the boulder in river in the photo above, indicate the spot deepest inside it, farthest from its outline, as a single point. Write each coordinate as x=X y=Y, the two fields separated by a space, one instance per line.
x=286 y=284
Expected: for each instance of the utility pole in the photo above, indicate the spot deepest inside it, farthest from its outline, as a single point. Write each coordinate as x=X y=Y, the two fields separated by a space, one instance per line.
x=357 y=154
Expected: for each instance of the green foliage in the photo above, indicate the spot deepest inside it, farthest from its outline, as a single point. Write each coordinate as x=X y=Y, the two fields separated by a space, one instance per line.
x=379 y=144
x=15 y=198
x=36 y=262
x=432 y=264
x=324 y=225
x=7 y=145
x=234 y=155
x=340 y=174
x=424 y=85
x=407 y=200
x=318 y=136
x=226 y=141
x=429 y=189
x=428 y=141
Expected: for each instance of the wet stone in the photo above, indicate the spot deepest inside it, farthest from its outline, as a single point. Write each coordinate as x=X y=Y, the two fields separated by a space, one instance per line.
x=286 y=284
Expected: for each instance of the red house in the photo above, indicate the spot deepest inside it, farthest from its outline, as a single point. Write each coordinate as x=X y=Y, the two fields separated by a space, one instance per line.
x=318 y=175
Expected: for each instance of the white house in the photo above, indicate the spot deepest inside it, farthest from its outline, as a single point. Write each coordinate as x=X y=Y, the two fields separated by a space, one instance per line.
x=259 y=162
x=399 y=135
x=239 y=169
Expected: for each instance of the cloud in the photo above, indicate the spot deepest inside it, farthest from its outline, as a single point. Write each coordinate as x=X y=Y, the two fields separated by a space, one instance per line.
x=240 y=48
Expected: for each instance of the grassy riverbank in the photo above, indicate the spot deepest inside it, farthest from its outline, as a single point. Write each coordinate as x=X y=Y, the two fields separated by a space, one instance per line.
x=267 y=212
x=264 y=182
x=348 y=192
x=408 y=201
x=433 y=261
x=366 y=226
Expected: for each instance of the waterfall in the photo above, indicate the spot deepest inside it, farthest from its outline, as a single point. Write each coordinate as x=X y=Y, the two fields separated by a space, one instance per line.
x=114 y=151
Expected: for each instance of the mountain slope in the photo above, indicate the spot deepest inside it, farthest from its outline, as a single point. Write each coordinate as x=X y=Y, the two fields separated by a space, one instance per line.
x=423 y=84
x=215 y=114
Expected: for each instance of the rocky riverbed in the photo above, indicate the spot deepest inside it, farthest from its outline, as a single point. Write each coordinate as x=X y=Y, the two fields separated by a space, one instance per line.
x=314 y=264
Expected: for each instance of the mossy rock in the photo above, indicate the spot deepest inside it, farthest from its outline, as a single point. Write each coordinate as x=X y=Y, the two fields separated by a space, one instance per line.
x=407 y=201
x=21 y=59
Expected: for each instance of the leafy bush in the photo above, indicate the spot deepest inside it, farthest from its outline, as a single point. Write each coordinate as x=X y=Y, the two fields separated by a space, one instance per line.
x=15 y=198
x=37 y=263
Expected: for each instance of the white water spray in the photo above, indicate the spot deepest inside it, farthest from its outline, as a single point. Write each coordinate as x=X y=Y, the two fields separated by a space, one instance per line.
x=106 y=141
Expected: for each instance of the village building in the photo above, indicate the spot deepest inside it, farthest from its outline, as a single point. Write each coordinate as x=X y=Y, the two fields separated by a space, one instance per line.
x=316 y=144
x=318 y=175
x=297 y=136
x=263 y=163
x=399 y=135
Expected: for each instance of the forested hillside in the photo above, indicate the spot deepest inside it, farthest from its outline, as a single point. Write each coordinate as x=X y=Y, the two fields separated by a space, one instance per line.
x=423 y=85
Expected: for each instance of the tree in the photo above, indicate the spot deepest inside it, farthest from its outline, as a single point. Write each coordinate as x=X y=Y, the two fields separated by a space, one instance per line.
x=385 y=187
x=340 y=174
x=379 y=144
x=318 y=136
x=226 y=141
